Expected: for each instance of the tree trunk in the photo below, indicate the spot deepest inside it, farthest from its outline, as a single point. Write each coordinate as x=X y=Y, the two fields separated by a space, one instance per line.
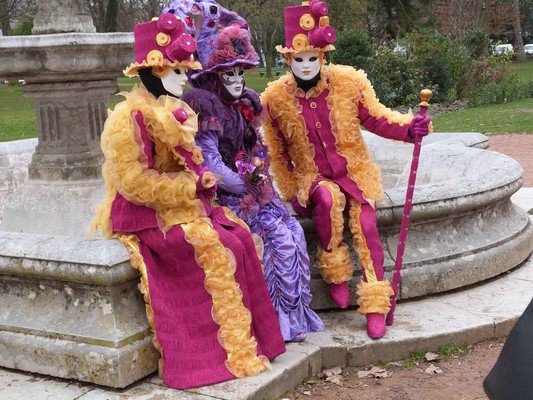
x=517 y=31
x=111 y=16
x=4 y=17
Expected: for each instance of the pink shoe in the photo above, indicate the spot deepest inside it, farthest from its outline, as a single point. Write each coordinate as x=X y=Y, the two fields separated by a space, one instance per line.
x=375 y=325
x=340 y=294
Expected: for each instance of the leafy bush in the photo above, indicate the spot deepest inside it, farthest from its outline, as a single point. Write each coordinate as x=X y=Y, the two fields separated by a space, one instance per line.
x=453 y=70
x=440 y=60
x=491 y=81
x=23 y=27
x=477 y=43
x=395 y=78
x=353 y=48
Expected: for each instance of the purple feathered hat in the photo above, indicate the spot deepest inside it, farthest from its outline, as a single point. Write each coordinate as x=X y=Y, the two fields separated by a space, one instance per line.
x=225 y=48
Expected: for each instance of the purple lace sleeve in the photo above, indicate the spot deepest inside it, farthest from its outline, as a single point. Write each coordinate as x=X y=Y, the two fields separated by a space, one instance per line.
x=229 y=181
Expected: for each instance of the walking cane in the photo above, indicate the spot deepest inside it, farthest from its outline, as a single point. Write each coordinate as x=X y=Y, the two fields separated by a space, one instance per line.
x=425 y=96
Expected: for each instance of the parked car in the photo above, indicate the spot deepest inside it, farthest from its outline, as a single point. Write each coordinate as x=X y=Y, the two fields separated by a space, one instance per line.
x=528 y=49
x=503 y=49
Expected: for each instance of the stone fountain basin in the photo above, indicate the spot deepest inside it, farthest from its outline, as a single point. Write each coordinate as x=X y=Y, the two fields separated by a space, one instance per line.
x=464 y=228
x=65 y=56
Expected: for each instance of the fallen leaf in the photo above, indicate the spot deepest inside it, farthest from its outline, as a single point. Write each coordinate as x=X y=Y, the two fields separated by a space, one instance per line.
x=334 y=379
x=375 y=372
x=433 y=370
x=332 y=372
x=396 y=364
x=431 y=356
x=307 y=393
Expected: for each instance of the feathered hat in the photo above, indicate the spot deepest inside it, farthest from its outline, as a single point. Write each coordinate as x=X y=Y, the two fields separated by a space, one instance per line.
x=307 y=28
x=224 y=40
x=162 y=42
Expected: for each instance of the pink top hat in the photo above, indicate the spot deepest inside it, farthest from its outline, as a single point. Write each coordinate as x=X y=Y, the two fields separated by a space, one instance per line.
x=307 y=28
x=162 y=42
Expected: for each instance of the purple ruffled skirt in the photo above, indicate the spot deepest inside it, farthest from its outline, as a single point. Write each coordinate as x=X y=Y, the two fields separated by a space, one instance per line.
x=286 y=265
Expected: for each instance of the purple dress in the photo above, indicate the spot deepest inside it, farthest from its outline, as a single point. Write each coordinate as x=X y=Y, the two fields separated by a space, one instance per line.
x=231 y=148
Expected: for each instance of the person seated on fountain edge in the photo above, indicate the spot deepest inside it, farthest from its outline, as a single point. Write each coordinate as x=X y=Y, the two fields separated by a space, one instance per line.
x=229 y=115
x=320 y=161
x=207 y=299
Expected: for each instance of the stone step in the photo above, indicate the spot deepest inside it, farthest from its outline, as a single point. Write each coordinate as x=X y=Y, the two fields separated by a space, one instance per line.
x=483 y=311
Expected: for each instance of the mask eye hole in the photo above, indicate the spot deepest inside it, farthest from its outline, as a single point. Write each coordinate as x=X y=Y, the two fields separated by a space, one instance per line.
x=298 y=59
x=230 y=73
x=313 y=59
x=241 y=72
x=177 y=71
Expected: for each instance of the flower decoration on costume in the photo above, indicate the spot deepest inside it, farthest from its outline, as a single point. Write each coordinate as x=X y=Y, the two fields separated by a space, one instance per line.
x=197 y=156
x=307 y=28
x=226 y=44
x=181 y=9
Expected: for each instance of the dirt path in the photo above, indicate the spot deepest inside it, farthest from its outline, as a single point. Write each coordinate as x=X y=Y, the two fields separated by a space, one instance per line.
x=456 y=377
x=460 y=377
x=519 y=147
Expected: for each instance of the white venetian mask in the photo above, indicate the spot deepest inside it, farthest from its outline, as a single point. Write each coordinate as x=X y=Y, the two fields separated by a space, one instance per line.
x=306 y=65
x=175 y=80
x=233 y=80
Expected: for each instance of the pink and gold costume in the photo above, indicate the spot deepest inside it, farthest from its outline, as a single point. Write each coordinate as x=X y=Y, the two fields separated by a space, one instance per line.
x=320 y=162
x=202 y=280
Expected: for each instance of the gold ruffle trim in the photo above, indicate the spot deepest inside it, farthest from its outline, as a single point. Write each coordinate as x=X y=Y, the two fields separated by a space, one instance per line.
x=258 y=242
x=336 y=213
x=170 y=188
x=285 y=109
x=131 y=242
x=285 y=181
x=345 y=126
x=347 y=88
x=374 y=297
x=228 y=312
x=336 y=266
x=284 y=50
x=133 y=69
x=360 y=241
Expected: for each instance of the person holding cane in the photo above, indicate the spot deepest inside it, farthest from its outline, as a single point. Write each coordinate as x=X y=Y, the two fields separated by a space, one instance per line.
x=320 y=161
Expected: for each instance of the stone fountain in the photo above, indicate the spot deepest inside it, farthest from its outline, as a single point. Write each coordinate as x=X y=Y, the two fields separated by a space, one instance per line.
x=70 y=305
x=464 y=228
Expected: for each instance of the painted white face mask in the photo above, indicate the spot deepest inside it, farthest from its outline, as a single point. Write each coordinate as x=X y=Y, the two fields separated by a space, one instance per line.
x=233 y=80
x=175 y=80
x=306 y=65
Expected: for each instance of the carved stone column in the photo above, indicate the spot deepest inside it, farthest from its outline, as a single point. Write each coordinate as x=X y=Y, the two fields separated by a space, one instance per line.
x=70 y=118
x=70 y=78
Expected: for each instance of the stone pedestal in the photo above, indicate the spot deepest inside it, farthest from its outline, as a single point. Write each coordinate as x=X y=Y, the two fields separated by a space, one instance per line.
x=57 y=16
x=70 y=78
x=70 y=119
x=70 y=306
x=71 y=309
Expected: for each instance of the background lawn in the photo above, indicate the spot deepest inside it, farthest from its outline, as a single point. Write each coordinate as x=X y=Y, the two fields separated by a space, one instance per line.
x=17 y=113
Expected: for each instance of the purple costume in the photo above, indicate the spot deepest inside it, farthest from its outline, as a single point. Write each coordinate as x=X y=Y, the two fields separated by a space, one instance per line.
x=227 y=134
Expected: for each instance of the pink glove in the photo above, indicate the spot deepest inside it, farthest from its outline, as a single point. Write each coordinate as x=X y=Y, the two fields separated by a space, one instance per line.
x=419 y=126
x=302 y=211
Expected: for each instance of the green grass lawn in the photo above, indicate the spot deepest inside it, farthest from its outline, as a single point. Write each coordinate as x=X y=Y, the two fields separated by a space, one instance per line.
x=524 y=69
x=17 y=119
x=513 y=117
x=17 y=115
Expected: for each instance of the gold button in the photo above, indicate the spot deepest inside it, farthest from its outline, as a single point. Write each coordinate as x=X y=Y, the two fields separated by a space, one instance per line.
x=318 y=125
x=313 y=105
